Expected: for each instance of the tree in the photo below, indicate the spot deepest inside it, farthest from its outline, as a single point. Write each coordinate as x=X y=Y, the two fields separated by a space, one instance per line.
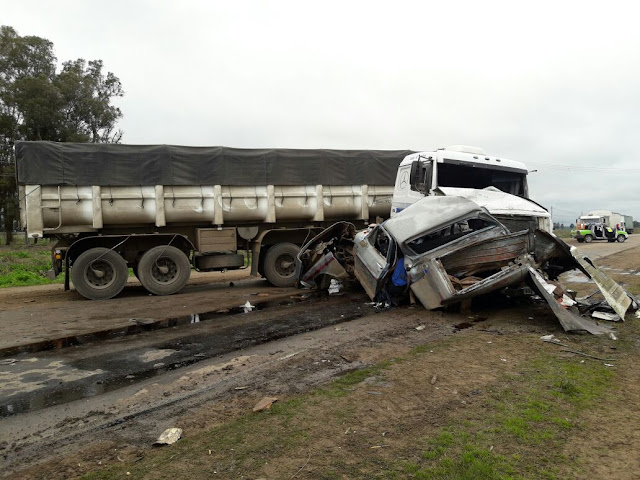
x=38 y=103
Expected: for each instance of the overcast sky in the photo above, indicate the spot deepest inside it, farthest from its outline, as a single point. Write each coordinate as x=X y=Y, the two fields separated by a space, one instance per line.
x=553 y=84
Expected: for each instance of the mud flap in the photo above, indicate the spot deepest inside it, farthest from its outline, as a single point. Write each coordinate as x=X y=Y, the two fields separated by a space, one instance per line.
x=569 y=320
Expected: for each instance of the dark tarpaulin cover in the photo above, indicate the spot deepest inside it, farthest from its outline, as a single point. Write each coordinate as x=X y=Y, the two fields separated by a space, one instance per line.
x=50 y=163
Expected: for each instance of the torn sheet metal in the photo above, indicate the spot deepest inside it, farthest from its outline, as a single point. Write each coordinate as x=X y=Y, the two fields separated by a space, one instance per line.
x=570 y=321
x=614 y=294
x=326 y=265
x=609 y=317
x=326 y=256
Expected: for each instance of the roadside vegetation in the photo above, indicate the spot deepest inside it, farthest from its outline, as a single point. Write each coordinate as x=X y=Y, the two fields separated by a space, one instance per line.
x=20 y=265
x=562 y=232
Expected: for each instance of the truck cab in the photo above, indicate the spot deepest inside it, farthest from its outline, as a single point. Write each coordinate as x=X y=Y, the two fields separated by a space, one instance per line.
x=498 y=184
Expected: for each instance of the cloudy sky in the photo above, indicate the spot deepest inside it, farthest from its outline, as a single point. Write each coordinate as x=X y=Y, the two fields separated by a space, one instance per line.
x=553 y=84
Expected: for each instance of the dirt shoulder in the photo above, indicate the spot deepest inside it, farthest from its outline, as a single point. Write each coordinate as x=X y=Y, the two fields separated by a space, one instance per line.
x=34 y=315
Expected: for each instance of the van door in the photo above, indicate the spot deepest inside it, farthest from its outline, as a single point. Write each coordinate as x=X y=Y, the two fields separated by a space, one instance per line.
x=372 y=260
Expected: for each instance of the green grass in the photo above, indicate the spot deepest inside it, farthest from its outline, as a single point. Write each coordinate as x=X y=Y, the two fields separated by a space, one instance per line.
x=20 y=265
x=527 y=424
x=562 y=232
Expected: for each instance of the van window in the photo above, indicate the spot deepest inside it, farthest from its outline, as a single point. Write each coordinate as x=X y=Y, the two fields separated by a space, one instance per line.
x=447 y=234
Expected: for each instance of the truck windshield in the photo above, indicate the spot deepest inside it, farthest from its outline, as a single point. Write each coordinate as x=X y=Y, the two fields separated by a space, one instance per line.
x=463 y=176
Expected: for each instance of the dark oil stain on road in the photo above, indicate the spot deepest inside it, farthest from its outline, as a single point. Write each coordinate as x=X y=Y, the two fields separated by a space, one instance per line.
x=123 y=368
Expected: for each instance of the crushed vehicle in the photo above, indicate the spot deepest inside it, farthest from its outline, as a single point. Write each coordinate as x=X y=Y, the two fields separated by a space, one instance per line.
x=448 y=249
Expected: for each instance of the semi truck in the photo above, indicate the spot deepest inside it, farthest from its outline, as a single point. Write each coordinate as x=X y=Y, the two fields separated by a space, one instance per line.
x=162 y=210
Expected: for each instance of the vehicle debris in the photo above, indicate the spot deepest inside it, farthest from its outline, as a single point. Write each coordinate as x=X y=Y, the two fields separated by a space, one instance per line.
x=447 y=250
x=552 y=339
x=289 y=356
x=169 y=436
x=247 y=307
x=576 y=352
x=334 y=287
x=265 y=404
x=610 y=317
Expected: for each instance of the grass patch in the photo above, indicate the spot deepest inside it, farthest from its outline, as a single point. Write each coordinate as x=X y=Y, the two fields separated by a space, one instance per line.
x=562 y=232
x=20 y=265
x=528 y=423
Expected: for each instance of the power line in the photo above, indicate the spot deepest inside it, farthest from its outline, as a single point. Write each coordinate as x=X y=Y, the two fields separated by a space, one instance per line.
x=584 y=168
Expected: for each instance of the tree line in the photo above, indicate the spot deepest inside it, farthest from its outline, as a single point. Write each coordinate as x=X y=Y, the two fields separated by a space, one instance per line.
x=39 y=101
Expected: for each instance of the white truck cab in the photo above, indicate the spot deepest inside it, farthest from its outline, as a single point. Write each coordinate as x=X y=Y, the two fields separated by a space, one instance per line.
x=498 y=184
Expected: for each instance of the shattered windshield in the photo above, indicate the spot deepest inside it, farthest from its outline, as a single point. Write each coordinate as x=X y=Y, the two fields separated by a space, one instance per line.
x=462 y=176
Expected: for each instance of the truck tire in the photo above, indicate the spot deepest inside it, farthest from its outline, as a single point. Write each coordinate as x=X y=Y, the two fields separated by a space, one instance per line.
x=621 y=238
x=280 y=264
x=588 y=238
x=164 y=270
x=99 y=274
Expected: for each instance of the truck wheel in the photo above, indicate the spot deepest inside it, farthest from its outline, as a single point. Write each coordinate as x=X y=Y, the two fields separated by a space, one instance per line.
x=99 y=274
x=280 y=264
x=164 y=270
x=621 y=238
x=588 y=238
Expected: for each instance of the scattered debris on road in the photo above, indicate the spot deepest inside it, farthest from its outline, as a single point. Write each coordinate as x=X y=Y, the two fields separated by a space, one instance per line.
x=265 y=404
x=247 y=307
x=552 y=339
x=587 y=355
x=609 y=317
x=335 y=287
x=169 y=436
x=289 y=356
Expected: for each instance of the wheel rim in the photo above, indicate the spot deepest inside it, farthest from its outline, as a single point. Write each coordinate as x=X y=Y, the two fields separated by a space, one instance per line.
x=165 y=270
x=285 y=265
x=100 y=274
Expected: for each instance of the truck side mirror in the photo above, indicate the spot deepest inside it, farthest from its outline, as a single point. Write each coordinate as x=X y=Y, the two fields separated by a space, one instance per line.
x=421 y=175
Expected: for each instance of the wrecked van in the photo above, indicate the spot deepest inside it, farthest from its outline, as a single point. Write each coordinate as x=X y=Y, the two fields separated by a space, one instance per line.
x=451 y=250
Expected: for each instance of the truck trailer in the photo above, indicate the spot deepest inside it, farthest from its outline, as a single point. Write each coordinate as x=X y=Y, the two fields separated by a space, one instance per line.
x=628 y=222
x=161 y=210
